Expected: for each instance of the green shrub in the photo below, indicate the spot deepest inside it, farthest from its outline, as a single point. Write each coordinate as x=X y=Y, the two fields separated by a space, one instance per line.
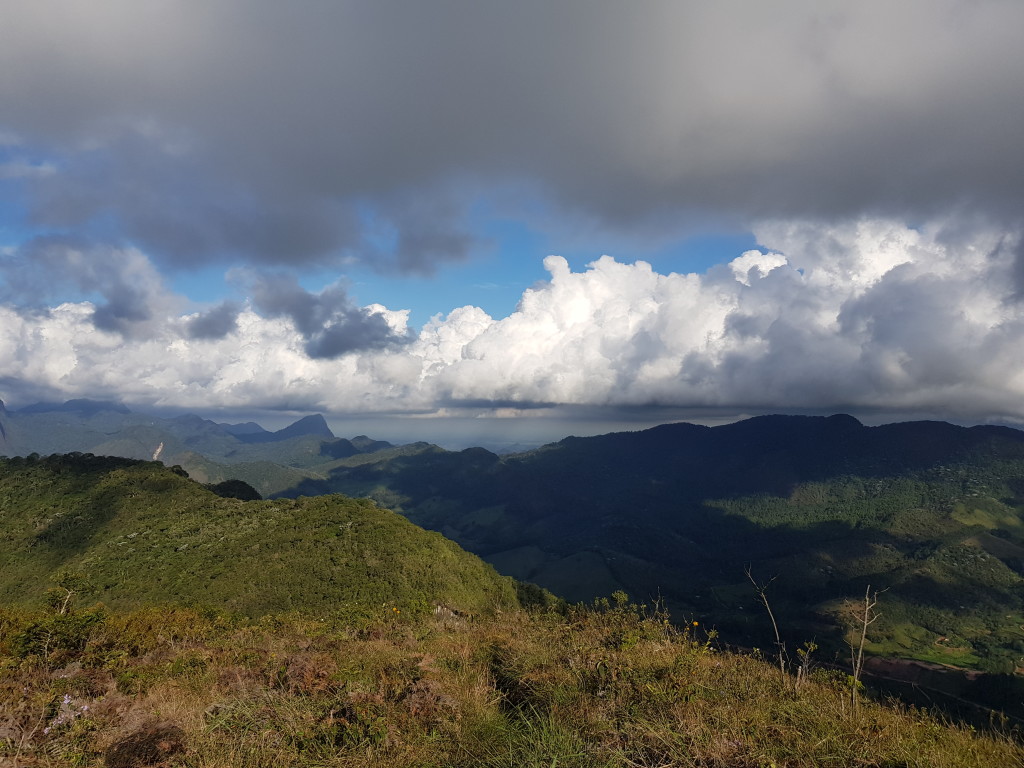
x=55 y=638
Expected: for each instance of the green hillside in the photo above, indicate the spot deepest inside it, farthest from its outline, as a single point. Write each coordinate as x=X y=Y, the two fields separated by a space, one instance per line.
x=146 y=621
x=929 y=512
x=142 y=534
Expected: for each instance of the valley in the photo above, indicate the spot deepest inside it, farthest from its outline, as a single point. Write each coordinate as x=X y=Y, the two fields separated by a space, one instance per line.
x=147 y=619
x=817 y=508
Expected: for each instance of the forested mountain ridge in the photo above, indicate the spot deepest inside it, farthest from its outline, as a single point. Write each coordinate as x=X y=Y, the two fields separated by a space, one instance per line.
x=929 y=511
x=823 y=506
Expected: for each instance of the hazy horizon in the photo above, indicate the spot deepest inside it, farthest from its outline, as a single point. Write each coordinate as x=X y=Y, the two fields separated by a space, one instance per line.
x=508 y=429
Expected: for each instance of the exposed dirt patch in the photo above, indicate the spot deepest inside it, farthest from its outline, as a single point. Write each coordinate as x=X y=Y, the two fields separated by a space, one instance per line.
x=149 y=747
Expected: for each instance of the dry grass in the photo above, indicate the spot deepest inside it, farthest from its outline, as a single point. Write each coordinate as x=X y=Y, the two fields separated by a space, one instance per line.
x=592 y=689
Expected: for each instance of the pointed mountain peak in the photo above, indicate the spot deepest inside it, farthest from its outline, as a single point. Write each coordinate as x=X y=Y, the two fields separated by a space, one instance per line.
x=307 y=425
x=315 y=425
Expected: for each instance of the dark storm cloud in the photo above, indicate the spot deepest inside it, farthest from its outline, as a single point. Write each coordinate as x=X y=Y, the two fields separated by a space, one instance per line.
x=121 y=311
x=290 y=132
x=1017 y=272
x=328 y=321
x=180 y=209
x=121 y=283
x=215 y=323
x=428 y=232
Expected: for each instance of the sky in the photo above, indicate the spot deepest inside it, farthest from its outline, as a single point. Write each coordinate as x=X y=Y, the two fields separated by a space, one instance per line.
x=510 y=219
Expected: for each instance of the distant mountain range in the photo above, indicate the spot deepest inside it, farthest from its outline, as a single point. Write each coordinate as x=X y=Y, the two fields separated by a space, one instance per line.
x=86 y=418
x=822 y=507
x=211 y=452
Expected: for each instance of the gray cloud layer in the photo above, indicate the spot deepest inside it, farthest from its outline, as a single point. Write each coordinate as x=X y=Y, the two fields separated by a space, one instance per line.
x=328 y=321
x=285 y=133
x=215 y=323
x=874 y=145
x=128 y=293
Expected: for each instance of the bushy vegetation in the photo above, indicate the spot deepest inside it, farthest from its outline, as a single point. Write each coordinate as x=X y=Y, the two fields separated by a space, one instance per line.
x=928 y=512
x=141 y=534
x=954 y=593
x=147 y=621
x=608 y=686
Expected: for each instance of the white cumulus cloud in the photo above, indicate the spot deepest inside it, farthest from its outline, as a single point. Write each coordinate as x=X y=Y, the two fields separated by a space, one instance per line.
x=865 y=315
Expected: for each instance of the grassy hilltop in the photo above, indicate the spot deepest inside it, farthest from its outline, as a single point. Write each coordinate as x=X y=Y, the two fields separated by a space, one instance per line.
x=594 y=688
x=303 y=633
x=142 y=534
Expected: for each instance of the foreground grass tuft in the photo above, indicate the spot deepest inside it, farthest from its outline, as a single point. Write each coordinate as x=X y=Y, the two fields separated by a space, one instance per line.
x=589 y=688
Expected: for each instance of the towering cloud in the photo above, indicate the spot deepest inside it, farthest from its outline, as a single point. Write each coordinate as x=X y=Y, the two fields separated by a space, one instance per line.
x=830 y=317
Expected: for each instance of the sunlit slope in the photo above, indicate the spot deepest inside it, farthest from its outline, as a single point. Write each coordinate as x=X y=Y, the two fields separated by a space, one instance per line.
x=142 y=534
